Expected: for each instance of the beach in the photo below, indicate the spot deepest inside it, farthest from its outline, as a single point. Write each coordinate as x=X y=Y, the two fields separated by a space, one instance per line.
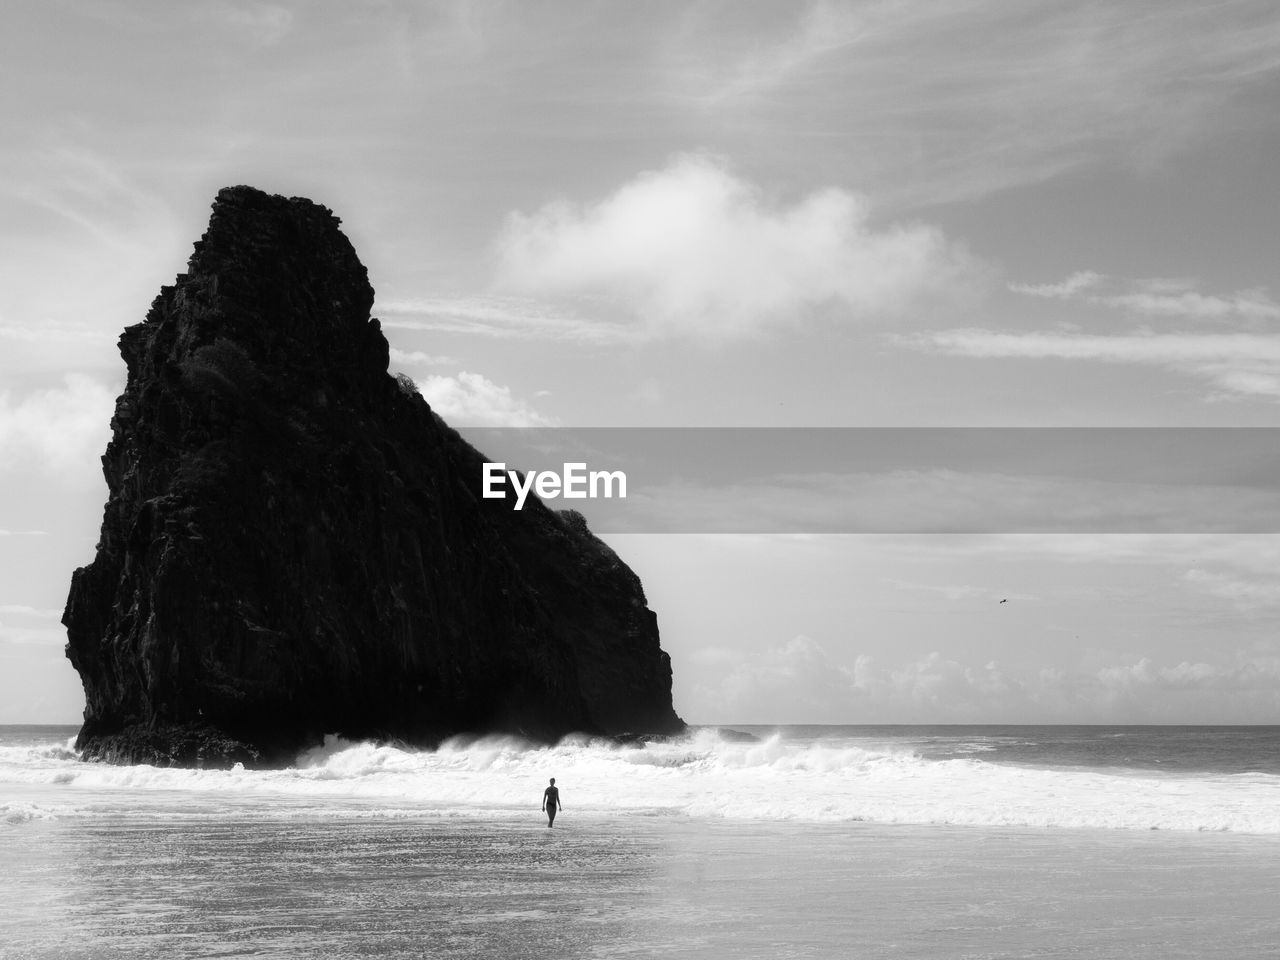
x=377 y=851
x=255 y=881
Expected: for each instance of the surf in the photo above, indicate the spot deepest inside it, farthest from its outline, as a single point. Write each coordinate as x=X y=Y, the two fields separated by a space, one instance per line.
x=703 y=775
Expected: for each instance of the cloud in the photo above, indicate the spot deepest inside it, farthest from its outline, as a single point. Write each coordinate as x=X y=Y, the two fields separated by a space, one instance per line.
x=51 y=332
x=1244 y=591
x=1243 y=692
x=1039 y=499
x=1159 y=297
x=416 y=358
x=1068 y=288
x=800 y=682
x=1256 y=553
x=503 y=317
x=935 y=682
x=1234 y=364
x=693 y=250
x=1012 y=94
x=959 y=591
x=1160 y=349
x=88 y=241
x=1246 y=305
x=821 y=31
x=471 y=400
x=1258 y=382
x=51 y=636
x=63 y=430
x=796 y=682
x=22 y=610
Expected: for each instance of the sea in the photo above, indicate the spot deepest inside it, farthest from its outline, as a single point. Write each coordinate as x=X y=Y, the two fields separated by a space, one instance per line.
x=737 y=841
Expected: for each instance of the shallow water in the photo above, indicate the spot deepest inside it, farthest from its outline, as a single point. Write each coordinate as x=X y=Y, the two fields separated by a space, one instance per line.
x=163 y=882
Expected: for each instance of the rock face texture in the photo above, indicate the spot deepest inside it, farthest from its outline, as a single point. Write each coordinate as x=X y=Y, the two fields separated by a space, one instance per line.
x=295 y=544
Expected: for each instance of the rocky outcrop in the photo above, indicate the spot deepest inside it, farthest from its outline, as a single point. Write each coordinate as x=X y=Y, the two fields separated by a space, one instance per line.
x=295 y=544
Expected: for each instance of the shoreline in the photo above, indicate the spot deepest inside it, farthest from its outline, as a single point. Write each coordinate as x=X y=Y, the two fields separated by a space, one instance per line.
x=22 y=803
x=142 y=883
x=1192 y=784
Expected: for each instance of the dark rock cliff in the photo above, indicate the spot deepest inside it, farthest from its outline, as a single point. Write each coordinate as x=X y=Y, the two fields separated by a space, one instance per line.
x=295 y=545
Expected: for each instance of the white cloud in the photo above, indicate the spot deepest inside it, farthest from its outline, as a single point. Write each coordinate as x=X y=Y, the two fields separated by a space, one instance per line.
x=1012 y=93
x=1242 y=692
x=87 y=241
x=52 y=636
x=1235 y=364
x=1258 y=553
x=64 y=430
x=1159 y=297
x=471 y=400
x=1243 y=590
x=796 y=682
x=1245 y=305
x=52 y=331
x=1161 y=349
x=497 y=317
x=801 y=682
x=822 y=30
x=1081 y=280
x=935 y=682
x=416 y=358
x=959 y=591
x=22 y=610
x=1039 y=498
x=694 y=250
x=1256 y=382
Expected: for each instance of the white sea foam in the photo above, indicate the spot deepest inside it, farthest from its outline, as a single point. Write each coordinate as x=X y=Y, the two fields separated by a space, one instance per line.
x=21 y=812
x=699 y=776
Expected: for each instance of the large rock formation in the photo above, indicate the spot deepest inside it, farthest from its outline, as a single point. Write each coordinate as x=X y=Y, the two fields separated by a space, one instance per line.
x=295 y=545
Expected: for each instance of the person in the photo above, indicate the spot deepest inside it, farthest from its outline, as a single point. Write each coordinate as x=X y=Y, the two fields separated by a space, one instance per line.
x=551 y=801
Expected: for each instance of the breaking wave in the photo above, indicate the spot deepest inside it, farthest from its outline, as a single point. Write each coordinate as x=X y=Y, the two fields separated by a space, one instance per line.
x=703 y=775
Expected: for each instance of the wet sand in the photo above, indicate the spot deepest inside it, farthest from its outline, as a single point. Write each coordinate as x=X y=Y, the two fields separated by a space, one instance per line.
x=262 y=880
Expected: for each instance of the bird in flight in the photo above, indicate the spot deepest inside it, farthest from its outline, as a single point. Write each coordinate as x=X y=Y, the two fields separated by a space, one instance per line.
x=1005 y=600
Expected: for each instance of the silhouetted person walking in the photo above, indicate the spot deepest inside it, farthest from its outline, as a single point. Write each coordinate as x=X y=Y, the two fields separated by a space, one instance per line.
x=551 y=801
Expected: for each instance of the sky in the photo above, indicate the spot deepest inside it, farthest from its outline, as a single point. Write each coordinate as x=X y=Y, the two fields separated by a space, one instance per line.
x=714 y=214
